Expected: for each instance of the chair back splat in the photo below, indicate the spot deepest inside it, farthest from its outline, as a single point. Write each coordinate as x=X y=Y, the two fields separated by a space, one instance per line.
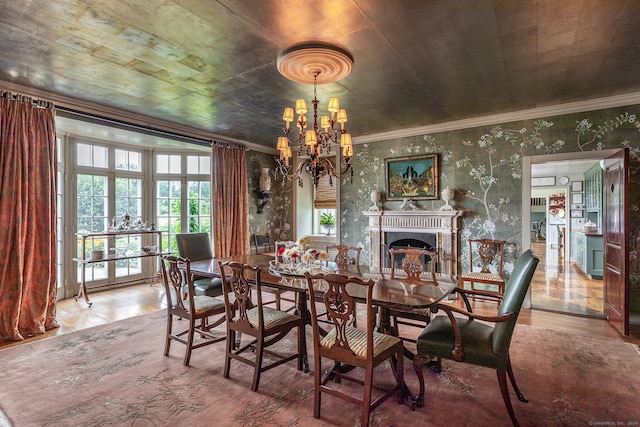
x=264 y=326
x=346 y=255
x=486 y=260
x=472 y=340
x=413 y=268
x=349 y=345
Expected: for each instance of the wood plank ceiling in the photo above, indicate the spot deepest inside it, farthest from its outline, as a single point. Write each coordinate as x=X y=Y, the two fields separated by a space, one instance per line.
x=210 y=65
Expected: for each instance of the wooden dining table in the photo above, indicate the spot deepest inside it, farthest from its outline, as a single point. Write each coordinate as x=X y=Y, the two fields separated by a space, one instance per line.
x=387 y=293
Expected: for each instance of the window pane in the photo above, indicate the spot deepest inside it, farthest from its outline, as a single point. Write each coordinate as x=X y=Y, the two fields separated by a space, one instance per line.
x=162 y=163
x=83 y=155
x=205 y=165
x=100 y=157
x=192 y=164
x=135 y=161
x=175 y=164
x=121 y=160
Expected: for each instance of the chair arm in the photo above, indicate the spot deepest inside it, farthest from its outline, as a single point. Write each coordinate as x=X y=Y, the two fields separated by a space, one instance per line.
x=458 y=349
x=464 y=292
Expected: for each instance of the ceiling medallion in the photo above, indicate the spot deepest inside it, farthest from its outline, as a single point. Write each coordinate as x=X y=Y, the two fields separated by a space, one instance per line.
x=315 y=63
x=299 y=62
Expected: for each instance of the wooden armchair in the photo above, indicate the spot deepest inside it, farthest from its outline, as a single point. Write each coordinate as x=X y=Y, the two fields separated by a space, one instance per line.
x=346 y=344
x=489 y=256
x=266 y=325
x=190 y=307
x=469 y=340
x=413 y=272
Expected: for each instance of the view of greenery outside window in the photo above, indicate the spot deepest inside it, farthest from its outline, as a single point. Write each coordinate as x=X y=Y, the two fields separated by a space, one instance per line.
x=172 y=198
x=91 y=215
x=108 y=184
x=318 y=215
x=128 y=200
x=169 y=211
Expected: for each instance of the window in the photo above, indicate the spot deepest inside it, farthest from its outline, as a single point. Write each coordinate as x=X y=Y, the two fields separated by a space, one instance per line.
x=183 y=200
x=109 y=184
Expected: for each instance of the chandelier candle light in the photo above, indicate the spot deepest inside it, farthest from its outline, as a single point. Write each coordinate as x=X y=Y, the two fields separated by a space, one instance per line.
x=318 y=63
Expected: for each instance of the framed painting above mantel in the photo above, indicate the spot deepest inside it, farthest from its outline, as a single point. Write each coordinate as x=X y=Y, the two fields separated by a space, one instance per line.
x=415 y=177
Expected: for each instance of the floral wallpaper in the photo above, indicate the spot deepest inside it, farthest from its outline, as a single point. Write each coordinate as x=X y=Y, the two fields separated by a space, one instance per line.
x=276 y=218
x=484 y=166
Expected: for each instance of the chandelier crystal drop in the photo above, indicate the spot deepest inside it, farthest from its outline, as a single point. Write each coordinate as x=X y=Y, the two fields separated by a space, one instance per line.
x=315 y=140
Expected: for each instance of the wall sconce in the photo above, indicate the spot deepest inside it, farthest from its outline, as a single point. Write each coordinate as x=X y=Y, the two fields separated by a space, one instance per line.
x=264 y=185
x=263 y=199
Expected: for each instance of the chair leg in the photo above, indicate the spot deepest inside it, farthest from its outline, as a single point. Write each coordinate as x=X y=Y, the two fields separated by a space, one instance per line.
x=187 y=355
x=167 y=344
x=366 y=401
x=512 y=378
x=400 y=375
x=418 y=361
x=317 y=380
x=502 y=379
x=231 y=340
x=258 y=368
x=302 y=347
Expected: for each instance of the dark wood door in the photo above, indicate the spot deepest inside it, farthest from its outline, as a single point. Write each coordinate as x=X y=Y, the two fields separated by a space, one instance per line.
x=616 y=240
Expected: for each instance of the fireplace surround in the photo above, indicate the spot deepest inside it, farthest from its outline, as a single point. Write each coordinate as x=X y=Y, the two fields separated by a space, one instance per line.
x=441 y=224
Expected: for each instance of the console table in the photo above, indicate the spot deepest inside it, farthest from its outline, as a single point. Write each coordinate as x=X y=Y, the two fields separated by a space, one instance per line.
x=82 y=291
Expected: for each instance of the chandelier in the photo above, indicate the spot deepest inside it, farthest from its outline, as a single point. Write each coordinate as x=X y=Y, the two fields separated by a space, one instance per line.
x=318 y=63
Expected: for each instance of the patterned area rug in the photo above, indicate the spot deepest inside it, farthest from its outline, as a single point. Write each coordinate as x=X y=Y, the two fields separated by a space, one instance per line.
x=117 y=375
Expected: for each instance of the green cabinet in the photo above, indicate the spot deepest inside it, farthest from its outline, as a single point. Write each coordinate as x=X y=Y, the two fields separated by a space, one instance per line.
x=593 y=194
x=587 y=251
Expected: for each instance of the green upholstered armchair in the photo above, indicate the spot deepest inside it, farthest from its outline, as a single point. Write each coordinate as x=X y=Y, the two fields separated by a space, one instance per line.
x=466 y=340
x=197 y=247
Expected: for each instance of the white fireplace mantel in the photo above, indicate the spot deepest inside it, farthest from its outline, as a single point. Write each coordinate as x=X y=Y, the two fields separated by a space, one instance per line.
x=444 y=224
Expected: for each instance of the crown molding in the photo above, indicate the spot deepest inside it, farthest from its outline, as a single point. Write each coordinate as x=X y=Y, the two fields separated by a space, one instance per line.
x=534 y=113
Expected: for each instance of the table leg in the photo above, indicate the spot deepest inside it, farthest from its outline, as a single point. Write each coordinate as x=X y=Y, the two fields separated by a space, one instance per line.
x=302 y=310
x=82 y=291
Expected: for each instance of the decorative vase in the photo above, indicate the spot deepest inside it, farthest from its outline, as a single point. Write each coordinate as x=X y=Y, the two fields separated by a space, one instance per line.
x=265 y=181
x=329 y=228
x=375 y=198
x=447 y=196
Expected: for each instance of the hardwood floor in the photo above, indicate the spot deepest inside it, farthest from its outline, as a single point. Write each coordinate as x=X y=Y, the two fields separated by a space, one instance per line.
x=558 y=285
x=117 y=304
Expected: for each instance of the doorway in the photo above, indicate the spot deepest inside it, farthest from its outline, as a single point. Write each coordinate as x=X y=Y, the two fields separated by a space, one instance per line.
x=555 y=220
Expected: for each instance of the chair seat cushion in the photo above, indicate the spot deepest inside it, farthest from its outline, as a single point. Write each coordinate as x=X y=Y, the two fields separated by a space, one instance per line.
x=484 y=277
x=357 y=339
x=204 y=303
x=438 y=340
x=272 y=317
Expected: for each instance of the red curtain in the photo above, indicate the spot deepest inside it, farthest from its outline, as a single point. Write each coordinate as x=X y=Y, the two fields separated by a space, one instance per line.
x=230 y=201
x=28 y=166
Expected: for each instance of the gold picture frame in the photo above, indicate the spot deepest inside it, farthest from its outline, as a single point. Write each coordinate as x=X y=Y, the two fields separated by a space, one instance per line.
x=414 y=177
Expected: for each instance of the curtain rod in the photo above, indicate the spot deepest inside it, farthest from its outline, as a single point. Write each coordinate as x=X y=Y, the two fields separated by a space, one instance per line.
x=130 y=126
x=41 y=103
x=228 y=145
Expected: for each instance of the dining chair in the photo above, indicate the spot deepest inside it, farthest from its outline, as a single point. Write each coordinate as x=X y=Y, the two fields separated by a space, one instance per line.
x=486 y=258
x=346 y=256
x=345 y=344
x=471 y=340
x=192 y=308
x=197 y=247
x=266 y=325
x=410 y=262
